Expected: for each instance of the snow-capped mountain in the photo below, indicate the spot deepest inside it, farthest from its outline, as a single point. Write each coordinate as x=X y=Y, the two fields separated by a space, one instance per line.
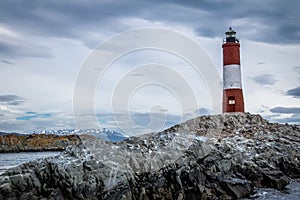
x=103 y=133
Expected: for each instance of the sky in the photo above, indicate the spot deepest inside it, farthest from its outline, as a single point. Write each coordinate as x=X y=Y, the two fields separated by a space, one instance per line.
x=44 y=46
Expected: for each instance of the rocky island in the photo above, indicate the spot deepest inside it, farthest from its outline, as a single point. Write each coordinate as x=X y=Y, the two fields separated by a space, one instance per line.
x=210 y=157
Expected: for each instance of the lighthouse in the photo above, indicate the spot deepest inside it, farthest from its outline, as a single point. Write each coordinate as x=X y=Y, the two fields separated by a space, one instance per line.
x=233 y=100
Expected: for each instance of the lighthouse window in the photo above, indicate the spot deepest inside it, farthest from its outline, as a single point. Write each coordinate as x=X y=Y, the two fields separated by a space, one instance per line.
x=230 y=35
x=231 y=100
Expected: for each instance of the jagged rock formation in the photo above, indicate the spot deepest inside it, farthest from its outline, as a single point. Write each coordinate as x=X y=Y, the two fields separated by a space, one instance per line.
x=36 y=142
x=210 y=157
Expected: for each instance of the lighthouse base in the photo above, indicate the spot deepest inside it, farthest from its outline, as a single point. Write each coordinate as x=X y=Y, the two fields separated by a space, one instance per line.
x=233 y=100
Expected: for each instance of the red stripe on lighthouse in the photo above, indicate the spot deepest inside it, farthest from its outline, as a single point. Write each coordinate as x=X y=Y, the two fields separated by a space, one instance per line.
x=231 y=53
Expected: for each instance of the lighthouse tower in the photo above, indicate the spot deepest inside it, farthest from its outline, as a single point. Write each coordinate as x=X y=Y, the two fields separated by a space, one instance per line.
x=233 y=100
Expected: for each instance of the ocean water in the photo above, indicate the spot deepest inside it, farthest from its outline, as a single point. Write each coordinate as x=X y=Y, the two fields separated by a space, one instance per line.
x=8 y=160
x=292 y=192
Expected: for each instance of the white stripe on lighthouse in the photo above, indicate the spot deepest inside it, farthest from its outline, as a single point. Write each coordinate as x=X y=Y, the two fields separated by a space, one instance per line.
x=232 y=76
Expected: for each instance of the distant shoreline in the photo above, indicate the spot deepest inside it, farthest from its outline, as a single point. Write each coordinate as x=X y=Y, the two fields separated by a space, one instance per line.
x=35 y=150
x=14 y=143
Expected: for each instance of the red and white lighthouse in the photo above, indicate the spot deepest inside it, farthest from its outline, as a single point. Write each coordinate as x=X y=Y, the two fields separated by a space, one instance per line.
x=233 y=100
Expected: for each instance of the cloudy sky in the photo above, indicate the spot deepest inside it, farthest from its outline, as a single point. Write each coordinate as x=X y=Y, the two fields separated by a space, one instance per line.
x=45 y=44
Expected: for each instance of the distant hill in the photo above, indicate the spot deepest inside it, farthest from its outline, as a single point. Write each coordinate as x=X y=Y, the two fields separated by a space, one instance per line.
x=36 y=142
x=53 y=140
x=5 y=133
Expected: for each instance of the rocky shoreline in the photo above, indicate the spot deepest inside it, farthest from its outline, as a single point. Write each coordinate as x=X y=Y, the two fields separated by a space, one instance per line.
x=211 y=157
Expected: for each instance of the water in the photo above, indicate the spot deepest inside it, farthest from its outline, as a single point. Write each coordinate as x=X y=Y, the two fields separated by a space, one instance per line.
x=8 y=160
x=292 y=192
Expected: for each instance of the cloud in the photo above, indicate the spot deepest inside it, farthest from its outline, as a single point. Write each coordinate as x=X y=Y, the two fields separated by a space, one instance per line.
x=7 y=62
x=67 y=19
x=32 y=115
x=264 y=79
x=11 y=99
x=266 y=21
x=12 y=47
x=259 y=21
x=34 y=121
x=286 y=110
x=285 y=115
x=293 y=119
x=295 y=92
x=297 y=68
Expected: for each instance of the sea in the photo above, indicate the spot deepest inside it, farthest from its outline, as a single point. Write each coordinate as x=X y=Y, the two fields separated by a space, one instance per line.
x=8 y=160
x=292 y=192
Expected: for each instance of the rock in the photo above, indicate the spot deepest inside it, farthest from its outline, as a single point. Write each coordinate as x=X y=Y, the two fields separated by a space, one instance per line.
x=211 y=157
x=239 y=187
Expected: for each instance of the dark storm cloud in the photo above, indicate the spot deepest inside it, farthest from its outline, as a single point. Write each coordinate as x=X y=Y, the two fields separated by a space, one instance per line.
x=264 y=79
x=268 y=21
x=11 y=99
x=295 y=92
x=265 y=21
x=64 y=18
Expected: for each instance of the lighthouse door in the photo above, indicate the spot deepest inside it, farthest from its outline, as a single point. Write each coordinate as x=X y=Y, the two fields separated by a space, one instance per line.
x=231 y=104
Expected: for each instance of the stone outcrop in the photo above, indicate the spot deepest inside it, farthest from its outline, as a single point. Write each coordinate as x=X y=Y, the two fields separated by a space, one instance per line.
x=36 y=142
x=210 y=157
